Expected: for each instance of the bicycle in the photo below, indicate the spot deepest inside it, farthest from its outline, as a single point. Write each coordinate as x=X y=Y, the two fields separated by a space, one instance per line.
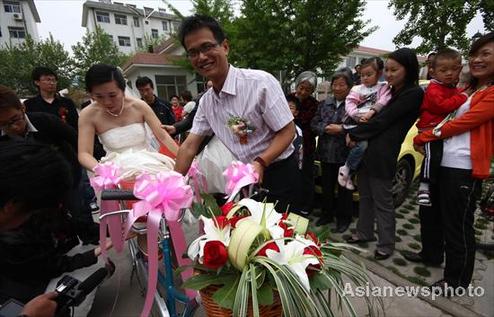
x=166 y=305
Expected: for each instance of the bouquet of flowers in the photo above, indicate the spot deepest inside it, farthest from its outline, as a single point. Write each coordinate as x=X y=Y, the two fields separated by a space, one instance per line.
x=255 y=256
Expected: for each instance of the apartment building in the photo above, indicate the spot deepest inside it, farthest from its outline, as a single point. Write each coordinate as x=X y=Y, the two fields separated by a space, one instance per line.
x=18 y=19
x=127 y=25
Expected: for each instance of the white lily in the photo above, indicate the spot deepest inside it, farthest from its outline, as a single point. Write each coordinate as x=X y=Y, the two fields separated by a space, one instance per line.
x=271 y=216
x=292 y=255
x=211 y=232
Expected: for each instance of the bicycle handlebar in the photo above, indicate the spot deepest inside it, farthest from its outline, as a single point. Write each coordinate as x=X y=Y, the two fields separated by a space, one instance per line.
x=117 y=194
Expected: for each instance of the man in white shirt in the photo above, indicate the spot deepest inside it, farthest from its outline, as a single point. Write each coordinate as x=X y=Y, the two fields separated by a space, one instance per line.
x=246 y=109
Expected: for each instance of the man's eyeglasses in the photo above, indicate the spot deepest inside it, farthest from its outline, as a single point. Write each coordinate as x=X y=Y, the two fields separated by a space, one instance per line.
x=13 y=121
x=204 y=48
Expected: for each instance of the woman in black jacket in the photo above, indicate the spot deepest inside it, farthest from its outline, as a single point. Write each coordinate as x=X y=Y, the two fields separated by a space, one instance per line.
x=385 y=133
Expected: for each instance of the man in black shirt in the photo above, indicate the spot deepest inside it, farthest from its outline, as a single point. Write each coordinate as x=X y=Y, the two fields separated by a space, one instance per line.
x=48 y=129
x=48 y=101
x=161 y=108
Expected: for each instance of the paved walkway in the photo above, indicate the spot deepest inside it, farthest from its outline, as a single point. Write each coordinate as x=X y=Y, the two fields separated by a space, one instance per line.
x=119 y=297
x=408 y=238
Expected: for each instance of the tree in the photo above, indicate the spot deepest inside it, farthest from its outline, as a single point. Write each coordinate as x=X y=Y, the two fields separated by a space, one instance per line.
x=440 y=23
x=487 y=9
x=290 y=36
x=221 y=10
x=96 y=47
x=18 y=61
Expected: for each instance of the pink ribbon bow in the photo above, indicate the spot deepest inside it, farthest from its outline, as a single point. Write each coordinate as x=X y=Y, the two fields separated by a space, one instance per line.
x=163 y=194
x=107 y=177
x=238 y=175
x=198 y=180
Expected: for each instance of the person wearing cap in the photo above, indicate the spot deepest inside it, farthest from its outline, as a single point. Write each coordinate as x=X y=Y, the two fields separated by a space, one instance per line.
x=306 y=83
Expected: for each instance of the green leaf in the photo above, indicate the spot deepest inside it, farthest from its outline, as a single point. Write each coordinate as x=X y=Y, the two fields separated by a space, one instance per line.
x=255 y=304
x=319 y=282
x=225 y=296
x=201 y=281
x=199 y=210
x=211 y=205
x=300 y=223
x=265 y=295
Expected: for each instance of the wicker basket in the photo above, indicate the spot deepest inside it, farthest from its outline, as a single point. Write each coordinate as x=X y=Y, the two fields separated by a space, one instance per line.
x=214 y=310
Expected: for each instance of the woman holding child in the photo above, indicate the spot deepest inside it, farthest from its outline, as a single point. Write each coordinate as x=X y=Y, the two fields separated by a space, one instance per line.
x=468 y=148
x=385 y=131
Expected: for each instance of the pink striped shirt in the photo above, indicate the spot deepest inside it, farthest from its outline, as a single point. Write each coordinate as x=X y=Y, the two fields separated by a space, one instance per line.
x=253 y=95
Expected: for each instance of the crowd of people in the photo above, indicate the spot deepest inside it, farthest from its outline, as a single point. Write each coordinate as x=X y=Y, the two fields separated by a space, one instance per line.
x=47 y=149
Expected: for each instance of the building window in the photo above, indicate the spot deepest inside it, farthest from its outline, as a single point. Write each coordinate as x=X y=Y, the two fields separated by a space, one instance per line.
x=12 y=6
x=124 y=41
x=139 y=42
x=201 y=83
x=103 y=17
x=175 y=25
x=167 y=86
x=136 y=22
x=120 y=19
x=154 y=33
x=0 y=32
x=110 y=37
x=165 y=25
x=17 y=32
x=351 y=61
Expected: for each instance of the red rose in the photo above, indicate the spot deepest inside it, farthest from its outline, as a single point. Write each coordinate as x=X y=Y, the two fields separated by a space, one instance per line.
x=215 y=254
x=225 y=209
x=270 y=246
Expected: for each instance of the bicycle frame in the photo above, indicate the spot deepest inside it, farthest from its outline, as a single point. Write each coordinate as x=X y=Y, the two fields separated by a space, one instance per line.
x=168 y=305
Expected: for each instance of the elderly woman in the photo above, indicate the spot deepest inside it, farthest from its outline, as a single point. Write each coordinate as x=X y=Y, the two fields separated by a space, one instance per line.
x=447 y=226
x=306 y=83
x=332 y=152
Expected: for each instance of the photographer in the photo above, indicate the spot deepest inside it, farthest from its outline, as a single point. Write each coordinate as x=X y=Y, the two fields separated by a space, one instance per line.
x=33 y=181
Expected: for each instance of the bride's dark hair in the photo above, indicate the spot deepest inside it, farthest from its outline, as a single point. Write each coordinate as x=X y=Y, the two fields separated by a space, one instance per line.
x=102 y=73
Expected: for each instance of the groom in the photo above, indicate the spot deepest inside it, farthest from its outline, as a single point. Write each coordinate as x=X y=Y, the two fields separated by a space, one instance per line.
x=246 y=109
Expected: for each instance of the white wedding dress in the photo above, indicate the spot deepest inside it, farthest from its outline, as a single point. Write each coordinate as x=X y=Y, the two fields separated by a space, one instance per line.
x=129 y=147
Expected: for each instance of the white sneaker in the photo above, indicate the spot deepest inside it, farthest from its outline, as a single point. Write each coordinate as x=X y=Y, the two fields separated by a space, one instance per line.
x=349 y=184
x=343 y=175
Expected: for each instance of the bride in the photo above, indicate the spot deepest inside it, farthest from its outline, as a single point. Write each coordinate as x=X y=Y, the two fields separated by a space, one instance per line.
x=125 y=126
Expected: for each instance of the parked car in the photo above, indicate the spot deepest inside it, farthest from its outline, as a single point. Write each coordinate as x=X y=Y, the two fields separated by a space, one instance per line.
x=407 y=169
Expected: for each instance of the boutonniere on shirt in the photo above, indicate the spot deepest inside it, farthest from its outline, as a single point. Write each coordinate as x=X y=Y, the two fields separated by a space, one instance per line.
x=62 y=113
x=241 y=128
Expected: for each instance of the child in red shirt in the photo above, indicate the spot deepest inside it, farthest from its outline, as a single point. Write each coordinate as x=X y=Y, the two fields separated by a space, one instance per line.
x=441 y=99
